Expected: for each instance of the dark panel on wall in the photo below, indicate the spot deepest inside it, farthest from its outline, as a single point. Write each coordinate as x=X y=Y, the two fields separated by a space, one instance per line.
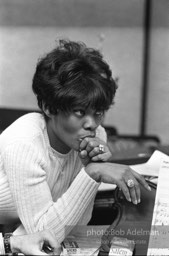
x=98 y=13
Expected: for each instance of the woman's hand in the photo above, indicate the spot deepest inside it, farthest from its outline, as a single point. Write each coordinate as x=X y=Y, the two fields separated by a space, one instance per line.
x=93 y=150
x=123 y=176
x=40 y=243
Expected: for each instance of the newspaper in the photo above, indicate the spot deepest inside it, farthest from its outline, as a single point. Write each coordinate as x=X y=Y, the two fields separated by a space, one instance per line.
x=159 y=235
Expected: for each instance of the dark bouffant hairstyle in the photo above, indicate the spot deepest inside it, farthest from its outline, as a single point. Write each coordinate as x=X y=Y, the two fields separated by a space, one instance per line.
x=73 y=75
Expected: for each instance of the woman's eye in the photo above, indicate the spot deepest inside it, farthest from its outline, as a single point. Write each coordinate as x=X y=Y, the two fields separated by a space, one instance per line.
x=79 y=112
x=99 y=113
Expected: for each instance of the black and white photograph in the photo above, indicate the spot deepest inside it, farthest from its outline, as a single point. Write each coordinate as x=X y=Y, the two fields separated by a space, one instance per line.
x=84 y=127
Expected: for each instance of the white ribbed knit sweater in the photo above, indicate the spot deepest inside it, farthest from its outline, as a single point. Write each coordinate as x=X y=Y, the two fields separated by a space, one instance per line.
x=41 y=187
x=2 y=249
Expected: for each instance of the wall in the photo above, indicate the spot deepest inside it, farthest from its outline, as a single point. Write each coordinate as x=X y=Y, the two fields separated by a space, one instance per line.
x=28 y=29
x=158 y=94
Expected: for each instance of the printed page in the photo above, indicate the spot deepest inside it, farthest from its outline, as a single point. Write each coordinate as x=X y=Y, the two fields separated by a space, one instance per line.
x=159 y=234
x=152 y=166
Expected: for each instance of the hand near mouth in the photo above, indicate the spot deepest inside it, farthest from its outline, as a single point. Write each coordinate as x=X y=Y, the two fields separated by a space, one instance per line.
x=94 y=150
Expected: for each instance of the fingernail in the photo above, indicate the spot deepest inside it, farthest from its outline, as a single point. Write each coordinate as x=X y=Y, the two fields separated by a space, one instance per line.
x=135 y=202
x=149 y=188
x=139 y=201
x=129 y=199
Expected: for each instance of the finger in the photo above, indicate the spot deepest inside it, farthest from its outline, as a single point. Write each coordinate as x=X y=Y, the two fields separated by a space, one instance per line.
x=94 y=152
x=47 y=249
x=134 y=191
x=101 y=157
x=38 y=253
x=125 y=190
x=49 y=238
x=85 y=159
x=83 y=154
x=91 y=145
x=97 y=158
x=83 y=144
x=133 y=195
x=141 y=180
x=86 y=141
x=137 y=191
x=57 y=251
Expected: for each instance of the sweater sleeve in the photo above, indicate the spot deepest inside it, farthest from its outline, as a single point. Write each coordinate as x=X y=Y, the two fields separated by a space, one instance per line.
x=101 y=133
x=2 y=249
x=32 y=197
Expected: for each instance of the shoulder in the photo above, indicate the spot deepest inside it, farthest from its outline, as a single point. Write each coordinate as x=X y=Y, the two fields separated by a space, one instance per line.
x=25 y=128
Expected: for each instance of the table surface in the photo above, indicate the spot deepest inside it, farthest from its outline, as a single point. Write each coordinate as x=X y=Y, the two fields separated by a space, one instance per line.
x=138 y=155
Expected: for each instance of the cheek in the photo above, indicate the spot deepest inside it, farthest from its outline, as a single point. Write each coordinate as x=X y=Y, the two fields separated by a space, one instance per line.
x=71 y=126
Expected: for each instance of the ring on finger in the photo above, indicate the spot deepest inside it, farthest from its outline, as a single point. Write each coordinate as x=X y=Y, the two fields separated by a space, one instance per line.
x=101 y=148
x=130 y=183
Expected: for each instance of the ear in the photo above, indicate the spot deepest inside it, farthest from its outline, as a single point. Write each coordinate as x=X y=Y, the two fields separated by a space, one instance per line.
x=46 y=111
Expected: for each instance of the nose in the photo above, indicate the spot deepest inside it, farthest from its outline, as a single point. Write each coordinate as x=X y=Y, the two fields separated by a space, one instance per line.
x=90 y=123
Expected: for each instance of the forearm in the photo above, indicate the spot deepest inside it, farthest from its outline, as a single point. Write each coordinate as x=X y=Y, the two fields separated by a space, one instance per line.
x=67 y=211
x=35 y=205
x=64 y=213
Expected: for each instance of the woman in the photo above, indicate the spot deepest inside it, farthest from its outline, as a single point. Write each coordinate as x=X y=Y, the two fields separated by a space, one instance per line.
x=54 y=162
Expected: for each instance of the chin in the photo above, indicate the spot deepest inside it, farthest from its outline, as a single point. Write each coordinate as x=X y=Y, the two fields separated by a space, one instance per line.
x=75 y=146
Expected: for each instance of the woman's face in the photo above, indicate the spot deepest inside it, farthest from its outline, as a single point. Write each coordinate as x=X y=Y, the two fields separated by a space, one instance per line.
x=66 y=131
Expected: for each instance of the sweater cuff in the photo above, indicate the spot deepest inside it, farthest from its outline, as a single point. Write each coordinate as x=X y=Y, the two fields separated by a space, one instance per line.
x=2 y=248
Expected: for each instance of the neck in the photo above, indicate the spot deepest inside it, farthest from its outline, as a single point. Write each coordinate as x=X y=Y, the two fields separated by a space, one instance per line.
x=56 y=143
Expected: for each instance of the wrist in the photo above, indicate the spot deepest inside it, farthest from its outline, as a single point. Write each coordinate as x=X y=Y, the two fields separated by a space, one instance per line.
x=110 y=158
x=12 y=242
x=15 y=244
x=93 y=170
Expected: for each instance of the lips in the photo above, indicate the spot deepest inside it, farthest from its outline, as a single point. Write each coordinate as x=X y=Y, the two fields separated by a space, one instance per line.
x=87 y=136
